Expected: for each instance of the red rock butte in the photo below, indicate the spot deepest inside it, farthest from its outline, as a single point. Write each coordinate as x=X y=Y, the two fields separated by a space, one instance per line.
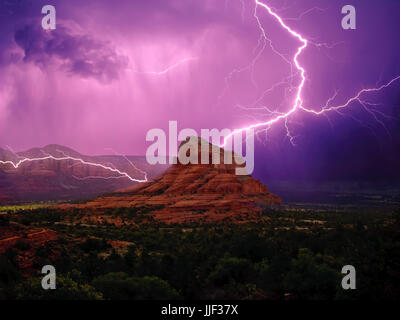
x=195 y=192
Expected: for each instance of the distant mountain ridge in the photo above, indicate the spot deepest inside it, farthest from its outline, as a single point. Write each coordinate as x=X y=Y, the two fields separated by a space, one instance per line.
x=187 y=193
x=50 y=179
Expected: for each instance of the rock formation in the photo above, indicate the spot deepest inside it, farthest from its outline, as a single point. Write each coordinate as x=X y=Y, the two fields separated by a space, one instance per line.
x=194 y=192
x=67 y=179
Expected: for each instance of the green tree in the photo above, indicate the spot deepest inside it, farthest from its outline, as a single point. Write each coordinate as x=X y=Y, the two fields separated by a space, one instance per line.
x=66 y=289
x=310 y=277
x=230 y=268
x=121 y=286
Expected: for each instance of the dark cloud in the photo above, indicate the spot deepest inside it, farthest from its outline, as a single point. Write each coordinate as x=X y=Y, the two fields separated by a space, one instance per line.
x=35 y=108
x=79 y=54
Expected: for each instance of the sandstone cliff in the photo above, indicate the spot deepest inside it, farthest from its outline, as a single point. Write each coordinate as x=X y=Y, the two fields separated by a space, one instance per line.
x=194 y=192
x=49 y=179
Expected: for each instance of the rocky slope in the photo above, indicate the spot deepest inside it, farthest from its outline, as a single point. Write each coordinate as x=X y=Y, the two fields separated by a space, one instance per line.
x=192 y=192
x=51 y=179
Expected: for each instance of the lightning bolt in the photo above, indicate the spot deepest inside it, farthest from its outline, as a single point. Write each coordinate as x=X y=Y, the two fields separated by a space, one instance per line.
x=167 y=69
x=298 y=101
x=305 y=13
x=121 y=174
x=130 y=162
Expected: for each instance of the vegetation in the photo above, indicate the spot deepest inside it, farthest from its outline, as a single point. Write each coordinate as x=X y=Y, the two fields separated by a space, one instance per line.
x=290 y=255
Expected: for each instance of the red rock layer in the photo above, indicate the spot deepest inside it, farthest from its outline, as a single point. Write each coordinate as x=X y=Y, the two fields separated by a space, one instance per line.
x=195 y=193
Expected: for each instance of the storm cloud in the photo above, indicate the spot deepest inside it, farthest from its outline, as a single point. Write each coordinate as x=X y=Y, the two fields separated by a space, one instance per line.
x=77 y=54
x=98 y=80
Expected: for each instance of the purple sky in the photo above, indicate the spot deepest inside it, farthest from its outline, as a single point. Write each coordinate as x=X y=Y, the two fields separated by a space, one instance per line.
x=92 y=83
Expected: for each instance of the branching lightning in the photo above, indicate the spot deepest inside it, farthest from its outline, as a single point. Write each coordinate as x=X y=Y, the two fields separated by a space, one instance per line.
x=298 y=100
x=272 y=115
x=167 y=69
x=121 y=174
x=130 y=163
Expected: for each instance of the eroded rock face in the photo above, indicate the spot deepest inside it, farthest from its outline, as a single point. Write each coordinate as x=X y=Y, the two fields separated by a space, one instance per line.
x=196 y=192
x=49 y=179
